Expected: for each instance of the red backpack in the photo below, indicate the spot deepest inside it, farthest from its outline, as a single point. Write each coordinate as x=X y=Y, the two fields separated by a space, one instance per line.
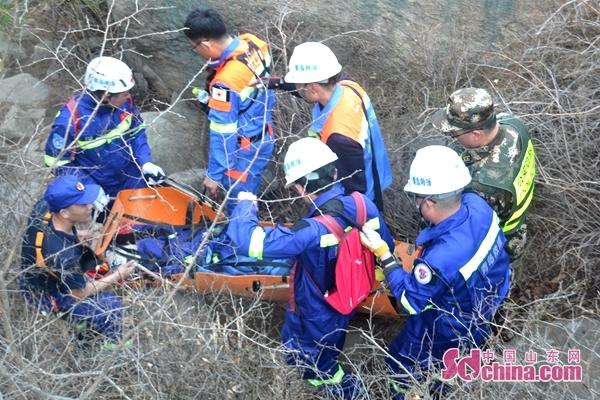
x=355 y=264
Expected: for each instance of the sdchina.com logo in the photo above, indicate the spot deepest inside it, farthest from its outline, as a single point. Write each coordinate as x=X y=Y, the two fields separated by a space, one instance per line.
x=482 y=365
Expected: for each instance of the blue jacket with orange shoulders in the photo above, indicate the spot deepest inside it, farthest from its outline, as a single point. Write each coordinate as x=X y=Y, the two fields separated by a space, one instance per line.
x=238 y=113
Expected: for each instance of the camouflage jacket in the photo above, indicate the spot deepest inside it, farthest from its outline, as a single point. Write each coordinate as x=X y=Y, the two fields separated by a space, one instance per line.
x=497 y=161
x=503 y=173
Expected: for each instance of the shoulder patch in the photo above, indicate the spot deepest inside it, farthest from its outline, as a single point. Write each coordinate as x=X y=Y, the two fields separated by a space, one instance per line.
x=58 y=141
x=220 y=99
x=422 y=273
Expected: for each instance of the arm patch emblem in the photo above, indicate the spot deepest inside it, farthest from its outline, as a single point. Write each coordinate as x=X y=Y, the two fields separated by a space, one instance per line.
x=422 y=273
x=220 y=94
x=219 y=99
x=58 y=141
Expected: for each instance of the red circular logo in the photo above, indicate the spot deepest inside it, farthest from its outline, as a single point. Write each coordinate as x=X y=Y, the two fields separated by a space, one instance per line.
x=79 y=186
x=124 y=116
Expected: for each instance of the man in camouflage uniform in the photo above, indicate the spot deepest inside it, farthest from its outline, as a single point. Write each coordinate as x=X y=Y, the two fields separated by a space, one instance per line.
x=499 y=154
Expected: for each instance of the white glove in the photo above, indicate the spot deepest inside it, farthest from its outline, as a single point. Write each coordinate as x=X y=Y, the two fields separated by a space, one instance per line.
x=371 y=239
x=101 y=201
x=247 y=196
x=153 y=173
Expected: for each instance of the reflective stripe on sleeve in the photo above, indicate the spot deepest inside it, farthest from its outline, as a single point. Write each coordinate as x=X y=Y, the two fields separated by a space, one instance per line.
x=484 y=249
x=54 y=161
x=257 y=243
x=328 y=240
x=121 y=130
x=373 y=223
x=406 y=304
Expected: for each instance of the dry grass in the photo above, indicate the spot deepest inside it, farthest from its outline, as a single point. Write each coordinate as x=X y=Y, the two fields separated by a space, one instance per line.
x=191 y=346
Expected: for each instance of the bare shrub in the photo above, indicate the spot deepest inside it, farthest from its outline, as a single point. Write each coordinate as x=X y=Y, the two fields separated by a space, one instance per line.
x=192 y=346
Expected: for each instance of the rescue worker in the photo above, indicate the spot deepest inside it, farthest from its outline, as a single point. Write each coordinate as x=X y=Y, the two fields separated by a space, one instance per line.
x=52 y=278
x=241 y=132
x=460 y=276
x=499 y=154
x=343 y=117
x=313 y=331
x=100 y=136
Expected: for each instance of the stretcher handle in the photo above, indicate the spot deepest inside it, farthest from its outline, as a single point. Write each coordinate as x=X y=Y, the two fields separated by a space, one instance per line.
x=190 y=191
x=143 y=197
x=258 y=287
x=109 y=229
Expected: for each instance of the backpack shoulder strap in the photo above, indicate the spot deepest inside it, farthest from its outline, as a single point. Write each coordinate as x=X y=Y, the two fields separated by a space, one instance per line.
x=40 y=260
x=260 y=68
x=334 y=227
x=72 y=107
x=361 y=208
x=331 y=224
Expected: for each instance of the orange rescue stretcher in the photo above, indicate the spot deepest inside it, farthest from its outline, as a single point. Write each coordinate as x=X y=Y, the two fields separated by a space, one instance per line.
x=177 y=207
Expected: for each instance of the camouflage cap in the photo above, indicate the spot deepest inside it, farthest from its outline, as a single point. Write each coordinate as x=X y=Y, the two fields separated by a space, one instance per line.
x=467 y=109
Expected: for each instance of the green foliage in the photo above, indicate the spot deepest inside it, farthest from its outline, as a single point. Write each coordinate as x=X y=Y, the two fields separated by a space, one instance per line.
x=7 y=12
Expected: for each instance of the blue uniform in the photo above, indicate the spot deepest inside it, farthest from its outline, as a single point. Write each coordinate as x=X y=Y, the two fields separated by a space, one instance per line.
x=457 y=284
x=241 y=135
x=49 y=289
x=102 y=145
x=314 y=333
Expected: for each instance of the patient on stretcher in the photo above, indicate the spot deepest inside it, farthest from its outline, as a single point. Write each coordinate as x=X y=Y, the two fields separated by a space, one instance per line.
x=168 y=250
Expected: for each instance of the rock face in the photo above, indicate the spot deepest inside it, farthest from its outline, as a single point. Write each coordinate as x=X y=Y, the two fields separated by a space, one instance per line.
x=172 y=57
x=191 y=177
x=21 y=123
x=177 y=138
x=157 y=32
x=23 y=89
x=23 y=100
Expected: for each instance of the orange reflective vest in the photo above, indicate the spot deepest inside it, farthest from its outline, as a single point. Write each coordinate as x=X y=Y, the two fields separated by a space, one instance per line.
x=349 y=112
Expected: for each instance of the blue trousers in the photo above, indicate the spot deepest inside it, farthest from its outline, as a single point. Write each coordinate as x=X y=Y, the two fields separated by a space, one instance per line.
x=250 y=162
x=103 y=312
x=314 y=344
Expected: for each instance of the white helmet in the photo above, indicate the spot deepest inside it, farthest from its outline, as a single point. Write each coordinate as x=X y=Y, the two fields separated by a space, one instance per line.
x=305 y=156
x=437 y=170
x=109 y=74
x=312 y=62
